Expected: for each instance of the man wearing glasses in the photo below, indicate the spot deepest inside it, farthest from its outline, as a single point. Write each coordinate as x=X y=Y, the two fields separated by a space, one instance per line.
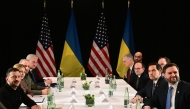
x=142 y=77
x=12 y=95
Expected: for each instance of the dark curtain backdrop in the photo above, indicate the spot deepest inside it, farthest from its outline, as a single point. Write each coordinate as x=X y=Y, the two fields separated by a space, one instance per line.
x=161 y=28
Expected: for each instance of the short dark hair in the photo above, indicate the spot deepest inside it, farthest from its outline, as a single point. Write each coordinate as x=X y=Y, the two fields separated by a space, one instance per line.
x=166 y=58
x=11 y=70
x=143 y=66
x=169 y=65
x=158 y=66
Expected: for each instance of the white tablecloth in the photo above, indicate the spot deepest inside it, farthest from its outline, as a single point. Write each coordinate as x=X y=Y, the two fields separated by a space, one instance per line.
x=74 y=96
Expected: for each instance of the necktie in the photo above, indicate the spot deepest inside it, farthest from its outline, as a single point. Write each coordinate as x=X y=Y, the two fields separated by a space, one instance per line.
x=34 y=79
x=137 y=82
x=153 y=88
x=128 y=75
x=168 y=100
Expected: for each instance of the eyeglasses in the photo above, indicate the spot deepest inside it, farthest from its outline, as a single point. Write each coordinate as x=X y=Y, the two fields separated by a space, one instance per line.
x=14 y=77
x=137 y=68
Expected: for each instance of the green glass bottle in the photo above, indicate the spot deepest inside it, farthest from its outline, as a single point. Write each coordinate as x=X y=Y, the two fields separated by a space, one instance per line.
x=58 y=76
x=59 y=81
x=110 y=91
x=106 y=76
x=126 y=97
x=62 y=80
x=138 y=106
x=114 y=84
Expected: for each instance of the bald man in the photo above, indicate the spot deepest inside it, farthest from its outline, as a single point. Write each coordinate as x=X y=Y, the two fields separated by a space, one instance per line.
x=138 y=57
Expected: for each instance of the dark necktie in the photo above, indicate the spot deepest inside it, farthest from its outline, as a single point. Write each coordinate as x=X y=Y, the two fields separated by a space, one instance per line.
x=137 y=82
x=34 y=79
x=128 y=75
x=153 y=88
x=169 y=96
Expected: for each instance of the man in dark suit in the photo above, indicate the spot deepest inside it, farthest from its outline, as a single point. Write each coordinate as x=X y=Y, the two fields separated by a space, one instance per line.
x=33 y=60
x=130 y=75
x=154 y=72
x=163 y=61
x=142 y=77
x=37 y=89
x=138 y=57
x=173 y=94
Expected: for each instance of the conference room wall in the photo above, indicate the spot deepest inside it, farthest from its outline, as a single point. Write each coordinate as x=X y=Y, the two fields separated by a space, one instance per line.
x=161 y=28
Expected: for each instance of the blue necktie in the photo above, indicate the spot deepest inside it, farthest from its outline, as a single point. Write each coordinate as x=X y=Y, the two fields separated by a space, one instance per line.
x=153 y=88
x=169 y=95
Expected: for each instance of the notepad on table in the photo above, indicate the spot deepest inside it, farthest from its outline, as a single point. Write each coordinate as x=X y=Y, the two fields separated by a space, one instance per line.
x=38 y=99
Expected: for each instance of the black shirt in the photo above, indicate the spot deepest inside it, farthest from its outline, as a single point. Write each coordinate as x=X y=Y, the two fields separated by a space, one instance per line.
x=12 y=99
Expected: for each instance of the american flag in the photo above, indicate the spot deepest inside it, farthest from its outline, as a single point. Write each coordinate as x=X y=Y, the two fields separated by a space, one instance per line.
x=44 y=50
x=99 y=57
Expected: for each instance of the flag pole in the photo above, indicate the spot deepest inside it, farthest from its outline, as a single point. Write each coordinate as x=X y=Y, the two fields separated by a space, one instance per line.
x=44 y=4
x=102 y=4
x=128 y=3
x=71 y=3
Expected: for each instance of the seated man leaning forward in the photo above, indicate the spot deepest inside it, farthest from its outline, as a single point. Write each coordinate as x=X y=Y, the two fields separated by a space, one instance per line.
x=12 y=95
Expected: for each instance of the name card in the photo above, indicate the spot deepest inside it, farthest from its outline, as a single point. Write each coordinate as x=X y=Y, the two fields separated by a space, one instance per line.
x=72 y=106
x=103 y=98
x=73 y=91
x=97 y=77
x=110 y=106
x=96 y=85
x=100 y=91
x=73 y=99
x=74 y=80
x=72 y=85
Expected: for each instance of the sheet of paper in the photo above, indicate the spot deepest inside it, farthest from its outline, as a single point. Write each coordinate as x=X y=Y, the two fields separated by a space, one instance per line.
x=38 y=99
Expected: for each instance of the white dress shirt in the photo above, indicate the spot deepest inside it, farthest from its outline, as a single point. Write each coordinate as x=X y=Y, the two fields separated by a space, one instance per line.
x=173 y=95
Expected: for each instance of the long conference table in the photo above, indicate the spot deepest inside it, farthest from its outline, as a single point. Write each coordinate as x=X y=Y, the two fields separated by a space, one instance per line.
x=71 y=96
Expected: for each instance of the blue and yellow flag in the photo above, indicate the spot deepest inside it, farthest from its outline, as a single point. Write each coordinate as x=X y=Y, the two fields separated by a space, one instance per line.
x=127 y=45
x=71 y=62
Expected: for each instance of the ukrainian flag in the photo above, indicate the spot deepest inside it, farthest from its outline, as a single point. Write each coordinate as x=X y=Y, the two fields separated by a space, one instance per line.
x=71 y=62
x=127 y=45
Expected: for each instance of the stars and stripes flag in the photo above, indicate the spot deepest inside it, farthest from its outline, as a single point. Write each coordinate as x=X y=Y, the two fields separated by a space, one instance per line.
x=46 y=63
x=99 y=57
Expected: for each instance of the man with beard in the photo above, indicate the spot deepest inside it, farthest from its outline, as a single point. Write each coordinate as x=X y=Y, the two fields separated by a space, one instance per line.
x=12 y=95
x=138 y=57
x=173 y=94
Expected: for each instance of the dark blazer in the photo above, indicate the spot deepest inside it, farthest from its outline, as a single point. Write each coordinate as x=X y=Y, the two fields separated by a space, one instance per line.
x=132 y=77
x=146 y=92
x=2 y=106
x=182 y=97
x=142 y=81
x=36 y=79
